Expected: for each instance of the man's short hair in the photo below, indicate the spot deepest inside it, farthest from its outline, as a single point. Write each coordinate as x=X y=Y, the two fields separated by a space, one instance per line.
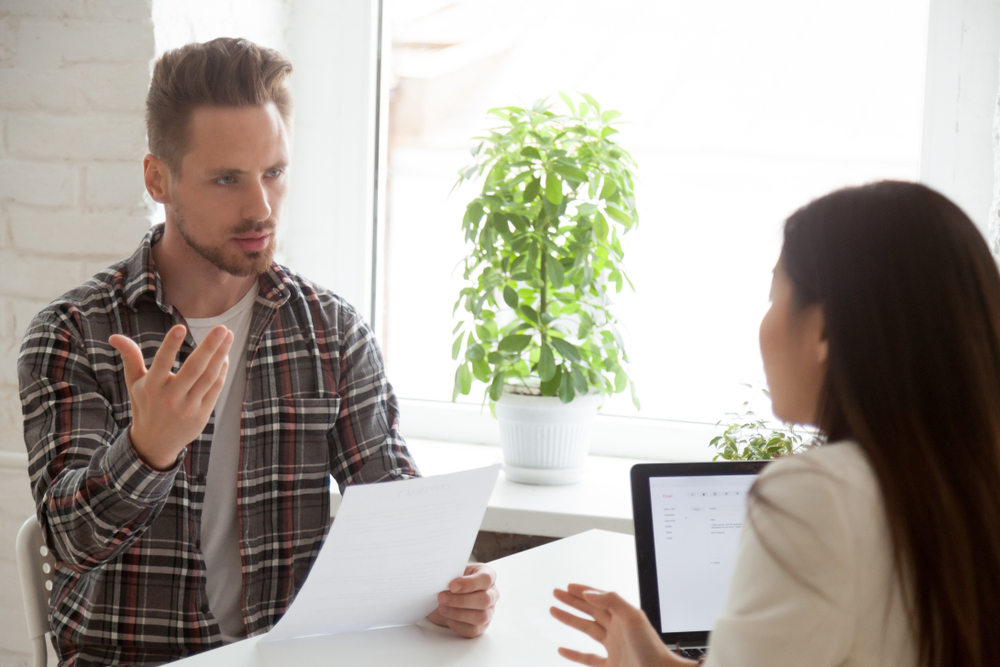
x=224 y=72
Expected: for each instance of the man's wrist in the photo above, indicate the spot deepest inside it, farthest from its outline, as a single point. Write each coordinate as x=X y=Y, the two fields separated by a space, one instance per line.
x=158 y=465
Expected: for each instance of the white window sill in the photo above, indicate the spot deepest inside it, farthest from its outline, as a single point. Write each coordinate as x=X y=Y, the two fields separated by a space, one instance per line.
x=603 y=499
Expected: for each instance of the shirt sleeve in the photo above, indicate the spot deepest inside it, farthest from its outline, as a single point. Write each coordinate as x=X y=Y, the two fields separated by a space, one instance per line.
x=792 y=591
x=93 y=494
x=366 y=445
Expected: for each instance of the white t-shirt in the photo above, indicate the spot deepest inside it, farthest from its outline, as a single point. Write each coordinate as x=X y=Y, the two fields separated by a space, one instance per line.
x=815 y=583
x=220 y=540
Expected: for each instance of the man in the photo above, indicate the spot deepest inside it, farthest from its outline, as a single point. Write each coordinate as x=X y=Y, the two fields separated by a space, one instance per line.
x=184 y=410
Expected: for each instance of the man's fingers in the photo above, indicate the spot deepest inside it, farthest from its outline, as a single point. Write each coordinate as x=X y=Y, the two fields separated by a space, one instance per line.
x=478 y=600
x=589 y=628
x=134 y=364
x=212 y=395
x=196 y=364
x=471 y=616
x=477 y=577
x=216 y=368
x=465 y=629
x=163 y=362
x=582 y=658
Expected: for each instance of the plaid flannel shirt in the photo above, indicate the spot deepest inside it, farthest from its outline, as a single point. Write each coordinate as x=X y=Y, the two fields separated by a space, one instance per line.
x=130 y=580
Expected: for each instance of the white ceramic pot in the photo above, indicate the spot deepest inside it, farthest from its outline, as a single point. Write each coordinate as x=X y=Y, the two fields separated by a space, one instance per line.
x=544 y=440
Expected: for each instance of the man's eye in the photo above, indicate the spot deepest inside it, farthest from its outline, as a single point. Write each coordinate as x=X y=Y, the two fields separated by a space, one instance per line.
x=225 y=180
x=274 y=173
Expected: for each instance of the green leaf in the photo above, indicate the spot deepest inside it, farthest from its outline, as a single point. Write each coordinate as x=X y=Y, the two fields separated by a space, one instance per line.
x=475 y=353
x=457 y=327
x=555 y=271
x=481 y=371
x=551 y=388
x=610 y=115
x=566 y=390
x=465 y=375
x=619 y=215
x=571 y=174
x=546 y=363
x=514 y=343
x=532 y=152
x=530 y=313
x=458 y=384
x=510 y=296
x=579 y=380
x=568 y=102
x=567 y=349
x=553 y=188
x=592 y=101
x=456 y=346
x=620 y=381
x=586 y=209
x=601 y=226
x=531 y=190
x=494 y=358
x=609 y=189
x=635 y=396
x=496 y=387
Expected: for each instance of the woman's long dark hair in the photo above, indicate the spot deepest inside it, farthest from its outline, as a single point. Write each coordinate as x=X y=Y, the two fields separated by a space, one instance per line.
x=911 y=300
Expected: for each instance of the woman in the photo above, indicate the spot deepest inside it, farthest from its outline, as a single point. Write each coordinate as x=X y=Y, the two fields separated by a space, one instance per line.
x=883 y=546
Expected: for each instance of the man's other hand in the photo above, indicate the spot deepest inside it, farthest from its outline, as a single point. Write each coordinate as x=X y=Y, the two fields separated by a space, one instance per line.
x=169 y=410
x=467 y=606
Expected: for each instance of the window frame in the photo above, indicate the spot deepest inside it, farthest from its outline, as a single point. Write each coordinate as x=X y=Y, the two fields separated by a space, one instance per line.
x=954 y=129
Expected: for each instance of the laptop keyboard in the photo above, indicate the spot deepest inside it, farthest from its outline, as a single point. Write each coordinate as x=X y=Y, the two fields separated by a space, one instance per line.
x=693 y=653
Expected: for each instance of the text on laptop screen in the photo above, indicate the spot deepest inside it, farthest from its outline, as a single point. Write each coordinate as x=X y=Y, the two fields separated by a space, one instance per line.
x=696 y=529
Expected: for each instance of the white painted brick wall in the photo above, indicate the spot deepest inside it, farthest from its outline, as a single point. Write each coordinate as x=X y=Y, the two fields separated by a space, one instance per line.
x=73 y=79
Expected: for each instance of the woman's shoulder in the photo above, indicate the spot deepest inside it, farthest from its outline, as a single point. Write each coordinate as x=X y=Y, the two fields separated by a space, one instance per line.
x=841 y=464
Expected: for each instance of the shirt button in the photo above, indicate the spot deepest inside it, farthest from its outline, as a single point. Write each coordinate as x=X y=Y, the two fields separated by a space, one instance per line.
x=205 y=609
x=201 y=479
x=197 y=545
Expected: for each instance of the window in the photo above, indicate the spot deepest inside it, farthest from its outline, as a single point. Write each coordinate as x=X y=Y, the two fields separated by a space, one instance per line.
x=738 y=113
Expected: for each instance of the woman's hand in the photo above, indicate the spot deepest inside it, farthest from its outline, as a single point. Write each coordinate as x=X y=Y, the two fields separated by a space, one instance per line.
x=624 y=630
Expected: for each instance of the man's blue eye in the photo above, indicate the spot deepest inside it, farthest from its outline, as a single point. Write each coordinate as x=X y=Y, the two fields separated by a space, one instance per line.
x=274 y=173
x=225 y=180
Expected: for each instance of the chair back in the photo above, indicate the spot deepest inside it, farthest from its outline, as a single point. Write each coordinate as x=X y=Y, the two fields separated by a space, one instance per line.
x=36 y=565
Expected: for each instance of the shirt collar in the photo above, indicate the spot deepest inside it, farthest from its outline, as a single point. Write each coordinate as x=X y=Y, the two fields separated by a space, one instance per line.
x=143 y=278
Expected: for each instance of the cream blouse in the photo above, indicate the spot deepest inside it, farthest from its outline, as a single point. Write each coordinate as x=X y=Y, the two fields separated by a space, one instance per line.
x=815 y=584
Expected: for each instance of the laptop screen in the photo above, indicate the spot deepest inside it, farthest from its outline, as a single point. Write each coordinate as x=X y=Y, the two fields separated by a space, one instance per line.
x=696 y=529
x=688 y=518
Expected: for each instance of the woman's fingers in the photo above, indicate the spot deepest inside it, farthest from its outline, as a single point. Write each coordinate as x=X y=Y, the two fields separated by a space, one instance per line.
x=574 y=598
x=590 y=628
x=582 y=658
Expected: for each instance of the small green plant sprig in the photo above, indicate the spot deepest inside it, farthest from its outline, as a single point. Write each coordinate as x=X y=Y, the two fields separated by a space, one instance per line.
x=748 y=437
x=546 y=250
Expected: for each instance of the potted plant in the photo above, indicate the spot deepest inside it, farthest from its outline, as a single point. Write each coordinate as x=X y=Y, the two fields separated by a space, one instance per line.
x=747 y=437
x=545 y=235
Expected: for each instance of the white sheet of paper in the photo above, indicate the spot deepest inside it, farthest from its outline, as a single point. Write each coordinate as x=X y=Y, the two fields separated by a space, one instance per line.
x=392 y=548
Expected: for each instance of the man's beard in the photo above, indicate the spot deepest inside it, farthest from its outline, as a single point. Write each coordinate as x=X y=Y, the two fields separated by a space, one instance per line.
x=242 y=265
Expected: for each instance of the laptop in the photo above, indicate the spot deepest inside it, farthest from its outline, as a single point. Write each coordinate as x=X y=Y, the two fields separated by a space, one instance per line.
x=688 y=518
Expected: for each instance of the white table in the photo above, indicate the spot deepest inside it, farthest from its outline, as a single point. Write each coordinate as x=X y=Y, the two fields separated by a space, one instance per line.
x=522 y=633
x=602 y=499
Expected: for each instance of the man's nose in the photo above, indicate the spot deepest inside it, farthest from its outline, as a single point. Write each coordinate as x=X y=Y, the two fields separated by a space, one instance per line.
x=257 y=205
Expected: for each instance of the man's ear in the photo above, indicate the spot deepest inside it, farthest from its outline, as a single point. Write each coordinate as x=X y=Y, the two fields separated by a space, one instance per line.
x=157 y=177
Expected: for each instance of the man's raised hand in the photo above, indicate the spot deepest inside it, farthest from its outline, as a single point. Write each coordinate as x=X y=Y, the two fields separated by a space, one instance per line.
x=169 y=410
